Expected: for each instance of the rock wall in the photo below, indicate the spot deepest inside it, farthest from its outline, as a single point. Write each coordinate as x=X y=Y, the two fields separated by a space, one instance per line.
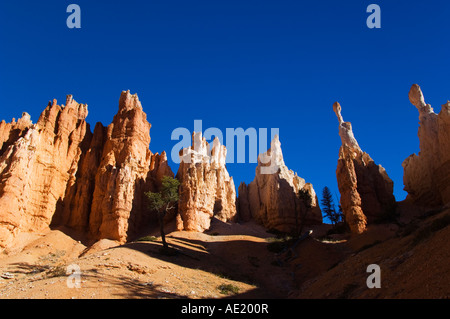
x=206 y=189
x=272 y=198
x=427 y=175
x=56 y=172
x=366 y=189
x=35 y=168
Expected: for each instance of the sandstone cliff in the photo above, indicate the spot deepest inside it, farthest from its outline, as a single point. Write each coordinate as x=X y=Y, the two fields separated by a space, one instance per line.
x=35 y=168
x=273 y=198
x=206 y=189
x=427 y=175
x=366 y=189
x=117 y=200
x=56 y=172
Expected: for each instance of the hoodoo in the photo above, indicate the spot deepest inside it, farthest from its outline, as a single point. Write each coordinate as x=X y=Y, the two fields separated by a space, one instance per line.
x=366 y=189
x=56 y=172
x=427 y=175
x=206 y=188
x=273 y=197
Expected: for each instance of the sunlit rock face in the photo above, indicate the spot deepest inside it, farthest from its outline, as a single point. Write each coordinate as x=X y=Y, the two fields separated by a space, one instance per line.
x=206 y=188
x=427 y=175
x=56 y=172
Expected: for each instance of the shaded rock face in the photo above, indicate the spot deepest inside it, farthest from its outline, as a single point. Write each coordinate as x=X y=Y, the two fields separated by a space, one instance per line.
x=57 y=172
x=366 y=189
x=427 y=175
x=206 y=189
x=272 y=198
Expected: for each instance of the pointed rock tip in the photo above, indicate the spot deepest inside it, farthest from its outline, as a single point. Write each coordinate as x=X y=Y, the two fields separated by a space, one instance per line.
x=216 y=142
x=52 y=103
x=129 y=101
x=337 y=110
x=336 y=107
x=128 y=94
x=275 y=143
x=416 y=96
x=275 y=140
x=69 y=99
x=26 y=115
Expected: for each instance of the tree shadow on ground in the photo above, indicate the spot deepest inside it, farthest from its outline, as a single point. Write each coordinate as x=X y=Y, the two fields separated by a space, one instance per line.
x=131 y=288
x=123 y=286
x=238 y=260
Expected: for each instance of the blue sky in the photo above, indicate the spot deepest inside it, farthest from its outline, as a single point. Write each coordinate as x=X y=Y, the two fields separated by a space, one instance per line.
x=262 y=64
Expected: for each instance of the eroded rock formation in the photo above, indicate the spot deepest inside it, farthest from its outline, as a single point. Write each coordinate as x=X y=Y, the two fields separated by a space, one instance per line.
x=273 y=198
x=366 y=189
x=36 y=167
x=57 y=172
x=206 y=189
x=427 y=175
x=120 y=178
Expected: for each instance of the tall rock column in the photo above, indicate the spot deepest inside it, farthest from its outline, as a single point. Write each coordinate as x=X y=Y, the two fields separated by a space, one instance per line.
x=366 y=189
x=105 y=195
x=427 y=175
x=121 y=175
x=206 y=188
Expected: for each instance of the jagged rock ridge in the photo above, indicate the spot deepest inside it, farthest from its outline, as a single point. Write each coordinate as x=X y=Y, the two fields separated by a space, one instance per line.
x=56 y=172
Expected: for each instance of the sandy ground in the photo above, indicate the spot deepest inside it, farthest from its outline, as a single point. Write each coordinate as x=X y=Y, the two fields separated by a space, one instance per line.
x=236 y=255
x=229 y=255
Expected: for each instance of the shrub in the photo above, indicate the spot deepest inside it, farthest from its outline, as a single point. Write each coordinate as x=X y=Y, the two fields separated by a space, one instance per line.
x=147 y=238
x=58 y=271
x=228 y=289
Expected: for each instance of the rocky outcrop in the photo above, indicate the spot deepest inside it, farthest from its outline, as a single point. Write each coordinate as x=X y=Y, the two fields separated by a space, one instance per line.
x=35 y=168
x=427 y=175
x=274 y=198
x=120 y=178
x=56 y=172
x=366 y=189
x=206 y=189
x=10 y=132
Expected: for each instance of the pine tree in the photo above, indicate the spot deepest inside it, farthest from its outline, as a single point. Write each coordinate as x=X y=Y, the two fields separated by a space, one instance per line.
x=163 y=202
x=328 y=207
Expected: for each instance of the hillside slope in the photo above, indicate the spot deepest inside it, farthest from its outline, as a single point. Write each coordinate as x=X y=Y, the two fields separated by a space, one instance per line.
x=235 y=261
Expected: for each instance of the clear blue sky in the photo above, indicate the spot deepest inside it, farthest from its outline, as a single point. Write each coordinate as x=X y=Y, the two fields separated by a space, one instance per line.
x=263 y=64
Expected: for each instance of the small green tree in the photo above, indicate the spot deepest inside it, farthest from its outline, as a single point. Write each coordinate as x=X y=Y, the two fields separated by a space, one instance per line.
x=163 y=201
x=328 y=207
